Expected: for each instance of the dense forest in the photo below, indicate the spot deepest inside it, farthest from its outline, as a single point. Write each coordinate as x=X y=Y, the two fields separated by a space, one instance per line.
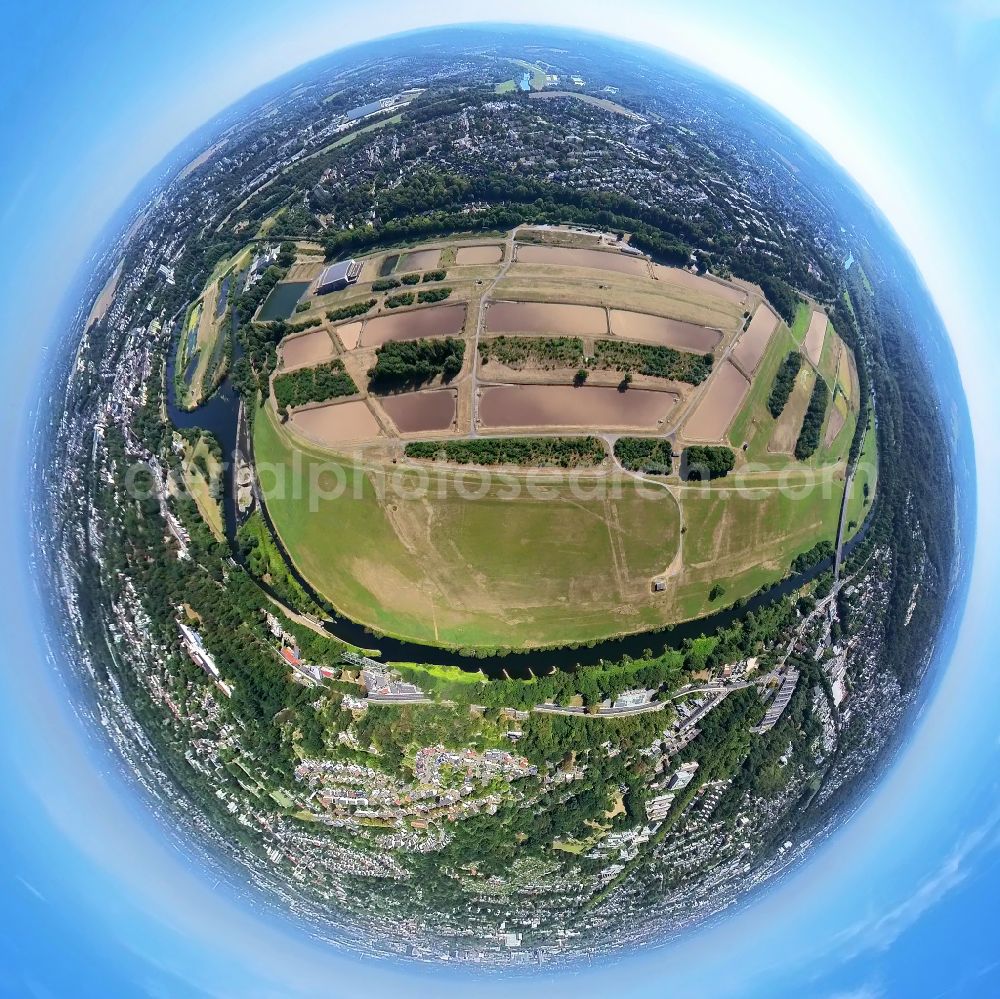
x=707 y=462
x=325 y=381
x=408 y=364
x=652 y=455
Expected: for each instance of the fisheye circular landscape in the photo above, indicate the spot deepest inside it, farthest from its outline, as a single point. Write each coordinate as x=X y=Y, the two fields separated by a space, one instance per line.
x=493 y=512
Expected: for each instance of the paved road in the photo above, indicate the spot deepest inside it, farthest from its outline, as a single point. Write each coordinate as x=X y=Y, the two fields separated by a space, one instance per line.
x=480 y=325
x=848 y=488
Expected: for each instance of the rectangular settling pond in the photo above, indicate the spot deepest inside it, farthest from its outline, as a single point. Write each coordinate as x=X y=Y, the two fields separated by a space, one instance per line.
x=280 y=304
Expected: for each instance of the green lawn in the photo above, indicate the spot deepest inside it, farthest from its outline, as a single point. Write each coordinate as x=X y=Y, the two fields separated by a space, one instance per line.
x=553 y=567
x=747 y=539
x=801 y=324
x=866 y=474
x=491 y=571
x=754 y=422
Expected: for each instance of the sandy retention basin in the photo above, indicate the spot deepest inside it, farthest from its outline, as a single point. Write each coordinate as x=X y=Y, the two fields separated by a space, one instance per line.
x=547 y=317
x=711 y=417
x=417 y=412
x=815 y=336
x=753 y=344
x=336 y=423
x=838 y=417
x=702 y=285
x=418 y=260
x=663 y=331
x=306 y=349
x=564 y=256
x=350 y=334
x=847 y=376
x=588 y=406
x=306 y=270
x=438 y=320
x=478 y=255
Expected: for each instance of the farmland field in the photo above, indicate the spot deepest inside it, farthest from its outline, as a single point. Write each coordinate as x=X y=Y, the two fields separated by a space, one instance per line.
x=547 y=317
x=418 y=260
x=815 y=336
x=336 y=423
x=752 y=345
x=306 y=349
x=416 y=412
x=466 y=255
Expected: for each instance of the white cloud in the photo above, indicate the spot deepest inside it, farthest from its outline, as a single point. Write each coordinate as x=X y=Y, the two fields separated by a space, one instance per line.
x=981 y=10
x=867 y=991
x=880 y=932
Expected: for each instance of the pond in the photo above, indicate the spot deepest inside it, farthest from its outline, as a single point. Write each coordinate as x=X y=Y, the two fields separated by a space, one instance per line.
x=280 y=304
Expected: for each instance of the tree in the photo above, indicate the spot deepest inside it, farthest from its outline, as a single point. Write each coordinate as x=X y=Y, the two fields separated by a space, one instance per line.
x=580 y=377
x=702 y=463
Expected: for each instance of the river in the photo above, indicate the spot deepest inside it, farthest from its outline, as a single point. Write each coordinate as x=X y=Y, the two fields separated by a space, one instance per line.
x=220 y=416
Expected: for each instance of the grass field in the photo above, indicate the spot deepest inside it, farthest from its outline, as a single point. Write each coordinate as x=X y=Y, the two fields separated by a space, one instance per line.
x=801 y=323
x=759 y=531
x=494 y=572
x=200 y=488
x=866 y=474
x=490 y=571
x=754 y=422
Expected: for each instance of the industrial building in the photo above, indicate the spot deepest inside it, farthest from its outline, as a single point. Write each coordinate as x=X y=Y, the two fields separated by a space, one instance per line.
x=338 y=276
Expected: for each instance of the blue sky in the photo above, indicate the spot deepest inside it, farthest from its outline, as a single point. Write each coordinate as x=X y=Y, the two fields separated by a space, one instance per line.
x=906 y=95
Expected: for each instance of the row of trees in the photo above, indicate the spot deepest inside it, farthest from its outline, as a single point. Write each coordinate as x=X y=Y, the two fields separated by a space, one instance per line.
x=807 y=559
x=351 y=311
x=812 y=423
x=784 y=381
x=408 y=364
x=428 y=295
x=388 y=283
x=565 y=452
x=653 y=360
x=545 y=352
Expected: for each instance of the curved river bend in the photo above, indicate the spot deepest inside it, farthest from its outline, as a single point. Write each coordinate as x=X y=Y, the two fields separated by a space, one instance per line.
x=220 y=416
